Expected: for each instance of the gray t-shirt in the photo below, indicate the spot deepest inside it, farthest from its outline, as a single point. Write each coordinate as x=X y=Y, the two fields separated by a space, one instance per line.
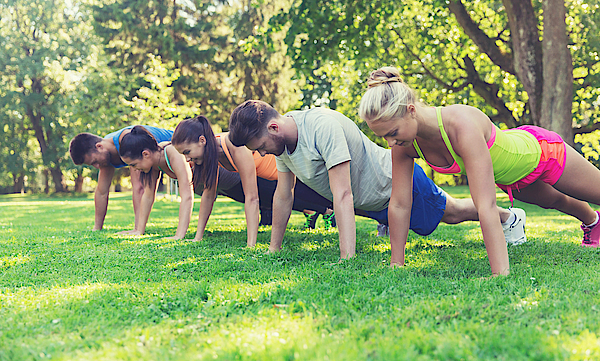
x=327 y=138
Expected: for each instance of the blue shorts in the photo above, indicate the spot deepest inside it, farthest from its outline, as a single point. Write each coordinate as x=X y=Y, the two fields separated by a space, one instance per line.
x=429 y=204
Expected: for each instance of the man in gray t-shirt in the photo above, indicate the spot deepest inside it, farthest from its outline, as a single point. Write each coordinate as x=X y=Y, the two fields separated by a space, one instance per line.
x=329 y=153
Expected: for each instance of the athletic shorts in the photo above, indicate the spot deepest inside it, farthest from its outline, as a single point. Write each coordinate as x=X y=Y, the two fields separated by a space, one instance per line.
x=552 y=160
x=428 y=207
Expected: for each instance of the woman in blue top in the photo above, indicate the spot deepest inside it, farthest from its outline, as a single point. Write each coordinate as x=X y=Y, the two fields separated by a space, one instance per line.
x=140 y=150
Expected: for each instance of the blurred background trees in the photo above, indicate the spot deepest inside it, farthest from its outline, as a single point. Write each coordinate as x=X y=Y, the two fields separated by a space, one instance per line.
x=69 y=66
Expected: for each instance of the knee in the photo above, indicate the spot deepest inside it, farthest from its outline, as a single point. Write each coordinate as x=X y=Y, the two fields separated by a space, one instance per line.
x=557 y=202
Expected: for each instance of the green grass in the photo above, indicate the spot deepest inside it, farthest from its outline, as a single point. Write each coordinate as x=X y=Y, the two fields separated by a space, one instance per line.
x=67 y=293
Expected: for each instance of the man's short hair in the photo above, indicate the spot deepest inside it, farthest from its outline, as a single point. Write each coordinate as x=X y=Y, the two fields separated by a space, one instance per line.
x=82 y=145
x=249 y=120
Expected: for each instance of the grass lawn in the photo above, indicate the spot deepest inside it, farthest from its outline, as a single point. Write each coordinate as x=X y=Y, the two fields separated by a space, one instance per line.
x=67 y=293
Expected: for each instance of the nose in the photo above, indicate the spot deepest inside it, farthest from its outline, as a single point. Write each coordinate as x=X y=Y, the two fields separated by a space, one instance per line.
x=188 y=159
x=262 y=153
x=391 y=142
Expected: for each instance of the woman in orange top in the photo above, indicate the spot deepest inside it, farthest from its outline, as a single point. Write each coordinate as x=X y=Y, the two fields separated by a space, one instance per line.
x=214 y=159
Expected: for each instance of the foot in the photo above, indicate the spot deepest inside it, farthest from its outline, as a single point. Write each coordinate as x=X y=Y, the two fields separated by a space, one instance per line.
x=311 y=220
x=591 y=235
x=382 y=230
x=329 y=220
x=514 y=233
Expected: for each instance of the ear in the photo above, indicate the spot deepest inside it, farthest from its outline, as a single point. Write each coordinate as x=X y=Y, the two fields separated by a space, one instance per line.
x=273 y=127
x=411 y=109
x=145 y=153
x=99 y=146
x=202 y=140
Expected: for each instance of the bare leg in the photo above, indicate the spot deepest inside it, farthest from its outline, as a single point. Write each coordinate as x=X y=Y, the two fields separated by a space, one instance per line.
x=460 y=210
x=579 y=180
x=546 y=196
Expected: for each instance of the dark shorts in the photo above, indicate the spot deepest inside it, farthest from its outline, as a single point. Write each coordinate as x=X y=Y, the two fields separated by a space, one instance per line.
x=429 y=204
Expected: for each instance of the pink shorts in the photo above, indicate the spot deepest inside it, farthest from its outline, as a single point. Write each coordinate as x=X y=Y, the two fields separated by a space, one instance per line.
x=552 y=160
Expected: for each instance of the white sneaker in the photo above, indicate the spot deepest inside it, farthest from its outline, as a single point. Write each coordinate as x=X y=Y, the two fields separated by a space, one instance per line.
x=514 y=233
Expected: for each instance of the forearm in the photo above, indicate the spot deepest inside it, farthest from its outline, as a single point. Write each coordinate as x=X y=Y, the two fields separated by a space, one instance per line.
x=145 y=207
x=185 y=214
x=136 y=198
x=252 y=209
x=100 y=205
x=346 y=224
x=206 y=205
x=399 y=223
x=282 y=209
x=493 y=237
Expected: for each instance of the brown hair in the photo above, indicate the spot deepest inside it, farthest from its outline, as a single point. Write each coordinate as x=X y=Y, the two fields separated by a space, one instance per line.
x=249 y=120
x=81 y=145
x=188 y=131
x=134 y=143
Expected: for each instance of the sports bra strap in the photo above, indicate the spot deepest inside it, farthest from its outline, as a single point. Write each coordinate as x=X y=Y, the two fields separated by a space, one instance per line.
x=167 y=158
x=226 y=151
x=438 y=111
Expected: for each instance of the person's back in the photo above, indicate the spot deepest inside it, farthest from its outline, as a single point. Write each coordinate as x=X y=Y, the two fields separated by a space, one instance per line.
x=327 y=138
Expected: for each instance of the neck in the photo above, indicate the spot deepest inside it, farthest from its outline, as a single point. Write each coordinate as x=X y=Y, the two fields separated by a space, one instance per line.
x=290 y=132
x=108 y=144
x=427 y=122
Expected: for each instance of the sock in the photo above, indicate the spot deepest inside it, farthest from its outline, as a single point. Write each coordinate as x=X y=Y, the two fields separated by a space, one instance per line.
x=511 y=218
x=594 y=222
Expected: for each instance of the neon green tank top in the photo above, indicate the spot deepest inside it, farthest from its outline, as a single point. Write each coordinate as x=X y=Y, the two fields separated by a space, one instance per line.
x=515 y=153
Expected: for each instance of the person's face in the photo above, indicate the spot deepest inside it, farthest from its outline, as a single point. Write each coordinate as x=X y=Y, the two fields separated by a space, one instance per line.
x=396 y=131
x=269 y=143
x=144 y=164
x=99 y=158
x=193 y=151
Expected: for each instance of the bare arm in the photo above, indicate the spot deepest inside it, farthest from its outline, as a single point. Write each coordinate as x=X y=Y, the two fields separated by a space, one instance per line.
x=184 y=177
x=283 y=200
x=343 y=206
x=244 y=162
x=400 y=206
x=105 y=176
x=145 y=205
x=469 y=142
x=206 y=205
x=137 y=192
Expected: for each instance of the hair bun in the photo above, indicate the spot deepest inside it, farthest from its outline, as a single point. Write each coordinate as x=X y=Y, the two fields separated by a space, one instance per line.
x=384 y=75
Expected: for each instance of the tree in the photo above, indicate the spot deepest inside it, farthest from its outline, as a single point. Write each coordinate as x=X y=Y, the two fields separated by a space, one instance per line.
x=42 y=43
x=220 y=54
x=486 y=53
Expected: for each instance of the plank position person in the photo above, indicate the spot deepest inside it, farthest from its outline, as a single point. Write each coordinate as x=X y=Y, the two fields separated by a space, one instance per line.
x=236 y=172
x=531 y=163
x=103 y=154
x=329 y=153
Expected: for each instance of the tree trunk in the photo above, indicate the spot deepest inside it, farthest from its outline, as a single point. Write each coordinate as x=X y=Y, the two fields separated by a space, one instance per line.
x=46 y=181
x=18 y=183
x=527 y=51
x=57 y=178
x=557 y=100
x=79 y=183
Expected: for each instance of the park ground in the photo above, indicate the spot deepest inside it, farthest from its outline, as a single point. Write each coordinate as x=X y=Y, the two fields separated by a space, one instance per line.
x=67 y=293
